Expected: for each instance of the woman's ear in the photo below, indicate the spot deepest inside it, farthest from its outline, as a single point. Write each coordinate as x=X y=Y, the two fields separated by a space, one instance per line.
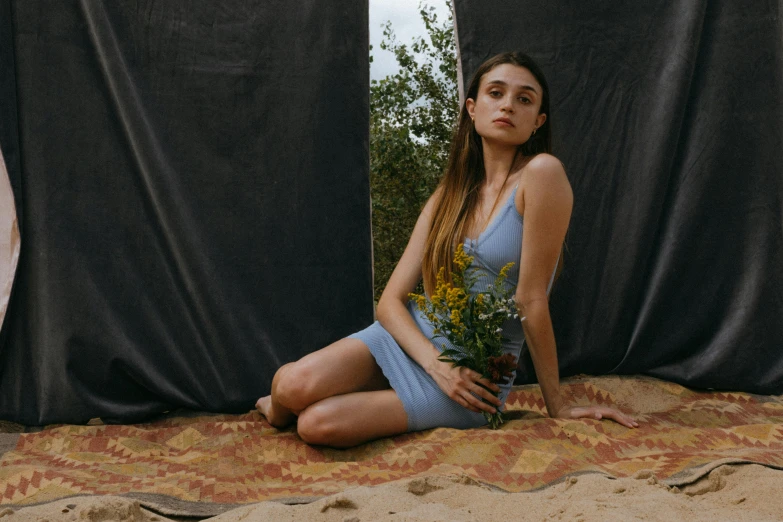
x=540 y=119
x=470 y=105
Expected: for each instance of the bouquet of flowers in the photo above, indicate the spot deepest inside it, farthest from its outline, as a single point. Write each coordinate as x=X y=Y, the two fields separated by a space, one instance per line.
x=472 y=322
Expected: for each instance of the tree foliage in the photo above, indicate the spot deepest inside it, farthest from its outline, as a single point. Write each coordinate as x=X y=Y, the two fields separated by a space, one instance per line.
x=412 y=118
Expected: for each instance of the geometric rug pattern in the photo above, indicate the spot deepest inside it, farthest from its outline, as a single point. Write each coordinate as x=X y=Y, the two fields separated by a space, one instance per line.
x=237 y=459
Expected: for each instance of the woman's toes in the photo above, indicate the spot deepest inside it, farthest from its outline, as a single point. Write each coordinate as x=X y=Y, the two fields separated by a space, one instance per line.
x=262 y=405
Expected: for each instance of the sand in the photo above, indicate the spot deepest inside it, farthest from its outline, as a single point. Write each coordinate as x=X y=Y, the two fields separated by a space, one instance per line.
x=746 y=492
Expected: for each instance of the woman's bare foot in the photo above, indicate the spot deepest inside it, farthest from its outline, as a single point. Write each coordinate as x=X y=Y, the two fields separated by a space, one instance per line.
x=263 y=405
x=277 y=419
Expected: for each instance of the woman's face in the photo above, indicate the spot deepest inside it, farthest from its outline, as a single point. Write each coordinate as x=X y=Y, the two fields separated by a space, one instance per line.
x=506 y=106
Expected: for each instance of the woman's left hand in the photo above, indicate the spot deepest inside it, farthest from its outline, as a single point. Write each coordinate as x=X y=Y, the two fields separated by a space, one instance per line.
x=597 y=412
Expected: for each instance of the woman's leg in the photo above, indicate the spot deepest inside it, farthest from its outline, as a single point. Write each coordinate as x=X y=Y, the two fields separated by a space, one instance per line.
x=276 y=414
x=346 y=420
x=342 y=367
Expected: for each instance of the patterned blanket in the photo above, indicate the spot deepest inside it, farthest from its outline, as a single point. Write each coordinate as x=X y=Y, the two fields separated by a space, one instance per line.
x=206 y=464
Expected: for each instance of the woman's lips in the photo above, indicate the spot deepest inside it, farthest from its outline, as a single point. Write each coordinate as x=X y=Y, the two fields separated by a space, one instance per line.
x=505 y=122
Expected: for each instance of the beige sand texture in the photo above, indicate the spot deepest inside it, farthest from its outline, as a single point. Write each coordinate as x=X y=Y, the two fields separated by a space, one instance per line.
x=747 y=492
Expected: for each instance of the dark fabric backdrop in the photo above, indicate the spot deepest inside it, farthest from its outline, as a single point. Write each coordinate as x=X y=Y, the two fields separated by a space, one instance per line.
x=668 y=117
x=192 y=179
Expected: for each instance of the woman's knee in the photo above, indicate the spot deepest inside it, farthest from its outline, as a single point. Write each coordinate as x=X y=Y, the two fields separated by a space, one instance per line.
x=315 y=426
x=294 y=386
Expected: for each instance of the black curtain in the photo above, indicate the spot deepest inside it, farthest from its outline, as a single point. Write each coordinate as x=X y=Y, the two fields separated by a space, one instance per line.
x=193 y=188
x=668 y=117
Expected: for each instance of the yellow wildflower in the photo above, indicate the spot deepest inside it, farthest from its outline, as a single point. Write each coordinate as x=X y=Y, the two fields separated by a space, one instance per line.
x=461 y=259
x=441 y=287
x=456 y=299
x=420 y=300
x=504 y=271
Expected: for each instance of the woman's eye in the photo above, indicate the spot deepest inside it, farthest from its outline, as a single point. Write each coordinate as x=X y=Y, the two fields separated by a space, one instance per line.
x=494 y=94
x=524 y=99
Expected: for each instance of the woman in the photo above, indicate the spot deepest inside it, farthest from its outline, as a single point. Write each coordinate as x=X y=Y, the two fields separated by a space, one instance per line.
x=387 y=379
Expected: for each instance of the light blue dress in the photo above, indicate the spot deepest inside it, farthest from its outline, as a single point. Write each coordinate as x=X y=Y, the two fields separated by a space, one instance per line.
x=424 y=402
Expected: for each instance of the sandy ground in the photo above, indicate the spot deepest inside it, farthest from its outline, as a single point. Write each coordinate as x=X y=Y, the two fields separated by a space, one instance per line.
x=738 y=493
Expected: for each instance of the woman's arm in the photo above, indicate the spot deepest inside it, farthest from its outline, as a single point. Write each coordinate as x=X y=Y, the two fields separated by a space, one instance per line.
x=457 y=383
x=545 y=199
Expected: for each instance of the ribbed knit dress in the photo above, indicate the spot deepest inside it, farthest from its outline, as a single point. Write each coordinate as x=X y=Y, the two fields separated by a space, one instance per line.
x=424 y=402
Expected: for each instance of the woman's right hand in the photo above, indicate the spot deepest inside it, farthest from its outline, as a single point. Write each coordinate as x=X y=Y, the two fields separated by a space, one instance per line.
x=597 y=412
x=465 y=387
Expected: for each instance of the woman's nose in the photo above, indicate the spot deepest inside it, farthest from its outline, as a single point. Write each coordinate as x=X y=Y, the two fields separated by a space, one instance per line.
x=506 y=105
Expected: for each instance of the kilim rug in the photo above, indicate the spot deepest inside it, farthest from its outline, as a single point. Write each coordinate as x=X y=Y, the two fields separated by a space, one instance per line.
x=204 y=465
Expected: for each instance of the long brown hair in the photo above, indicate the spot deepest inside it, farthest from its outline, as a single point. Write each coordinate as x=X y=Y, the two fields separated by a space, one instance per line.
x=459 y=187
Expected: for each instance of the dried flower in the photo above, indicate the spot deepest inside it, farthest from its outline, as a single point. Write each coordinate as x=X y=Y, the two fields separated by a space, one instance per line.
x=501 y=367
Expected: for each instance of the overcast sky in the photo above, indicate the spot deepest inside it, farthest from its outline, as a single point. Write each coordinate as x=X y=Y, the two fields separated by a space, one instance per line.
x=407 y=24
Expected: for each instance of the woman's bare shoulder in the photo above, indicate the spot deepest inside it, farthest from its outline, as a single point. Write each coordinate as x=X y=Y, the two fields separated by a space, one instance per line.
x=546 y=165
x=544 y=177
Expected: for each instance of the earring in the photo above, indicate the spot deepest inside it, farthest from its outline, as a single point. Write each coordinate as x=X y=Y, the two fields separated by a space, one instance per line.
x=534 y=132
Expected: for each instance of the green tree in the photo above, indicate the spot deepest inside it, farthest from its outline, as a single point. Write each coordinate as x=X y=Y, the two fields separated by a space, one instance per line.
x=412 y=118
